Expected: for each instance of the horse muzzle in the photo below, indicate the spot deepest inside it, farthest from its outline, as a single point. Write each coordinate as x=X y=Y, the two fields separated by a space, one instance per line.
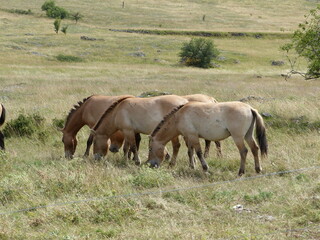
x=114 y=149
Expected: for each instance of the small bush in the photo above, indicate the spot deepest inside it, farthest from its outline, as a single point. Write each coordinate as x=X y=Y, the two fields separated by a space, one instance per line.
x=68 y=58
x=54 y=11
x=58 y=123
x=20 y=11
x=56 y=25
x=24 y=126
x=64 y=29
x=198 y=53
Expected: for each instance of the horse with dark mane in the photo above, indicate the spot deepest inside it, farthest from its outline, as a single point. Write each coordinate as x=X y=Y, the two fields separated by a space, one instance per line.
x=2 y=120
x=214 y=122
x=87 y=112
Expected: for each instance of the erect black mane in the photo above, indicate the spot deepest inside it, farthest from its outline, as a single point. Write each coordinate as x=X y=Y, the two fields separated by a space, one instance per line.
x=165 y=119
x=75 y=108
x=106 y=112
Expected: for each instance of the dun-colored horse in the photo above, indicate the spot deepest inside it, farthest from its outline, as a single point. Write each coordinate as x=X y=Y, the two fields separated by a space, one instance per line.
x=2 y=119
x=132 y=116
x=190 y=98
x=88 y=112
x=213 y=122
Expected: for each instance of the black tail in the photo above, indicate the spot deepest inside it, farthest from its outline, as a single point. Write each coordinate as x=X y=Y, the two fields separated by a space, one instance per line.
x=3 y=115
x=261 y=133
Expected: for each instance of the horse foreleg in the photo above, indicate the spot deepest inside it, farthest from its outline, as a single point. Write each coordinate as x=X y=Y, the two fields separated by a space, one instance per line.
x=191 y=158
x=175 y=146
x=239 y=141
x=126 y=153
x=89 y=143
x=131 y=139
x=200 y=156
x=218 y=147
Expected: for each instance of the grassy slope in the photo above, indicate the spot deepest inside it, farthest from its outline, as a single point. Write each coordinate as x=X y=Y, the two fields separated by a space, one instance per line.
x=34 y=173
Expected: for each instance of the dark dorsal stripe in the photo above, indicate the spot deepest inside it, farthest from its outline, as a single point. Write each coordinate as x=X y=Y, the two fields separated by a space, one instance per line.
x=165 y=119
x=75 y=108
x=113 y=105
x=3 y=115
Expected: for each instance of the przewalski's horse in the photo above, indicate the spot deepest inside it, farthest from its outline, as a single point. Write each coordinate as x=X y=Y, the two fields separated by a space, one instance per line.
x=132 y=116
x=87 y=112
x=213 y=122
x=2 y=119
x=205 y=99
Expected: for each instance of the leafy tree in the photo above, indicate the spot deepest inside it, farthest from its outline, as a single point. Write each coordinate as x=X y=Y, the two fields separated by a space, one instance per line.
x=305 y=43
x=198 y=52
x=76 y=16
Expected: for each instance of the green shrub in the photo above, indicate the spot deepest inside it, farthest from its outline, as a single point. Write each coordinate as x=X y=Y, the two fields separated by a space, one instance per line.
x=68 y=58
x=48 y=5
x=58 y=123
x=64 y=29
x=19 y=11
x=56 y=25
x=24 y=126
x=198 y=53
x=54 y=11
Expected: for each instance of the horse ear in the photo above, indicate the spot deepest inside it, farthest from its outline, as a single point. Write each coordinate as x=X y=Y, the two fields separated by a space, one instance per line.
x=93 y=132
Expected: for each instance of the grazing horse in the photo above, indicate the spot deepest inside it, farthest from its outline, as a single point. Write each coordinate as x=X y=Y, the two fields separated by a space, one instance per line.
x=2 y=119
x=87 y=112
x=213 y=122
x=193 y=97
x=132 y=116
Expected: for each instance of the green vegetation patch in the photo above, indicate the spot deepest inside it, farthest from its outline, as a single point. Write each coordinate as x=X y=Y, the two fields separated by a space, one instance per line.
x=68 y=58
x=18 y=11
x=150 y=178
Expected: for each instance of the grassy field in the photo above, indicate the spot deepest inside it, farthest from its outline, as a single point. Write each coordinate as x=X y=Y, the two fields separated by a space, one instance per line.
x=84 y=199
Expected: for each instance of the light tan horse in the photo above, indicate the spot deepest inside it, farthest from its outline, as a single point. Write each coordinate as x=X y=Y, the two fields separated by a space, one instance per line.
x=205 y=99
x=87 y=112
x=213 y=122
x=132 y=116
x=2 y=119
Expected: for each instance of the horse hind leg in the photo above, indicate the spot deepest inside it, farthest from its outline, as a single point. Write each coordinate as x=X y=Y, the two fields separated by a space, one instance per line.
x=239 y=141
x=255 y=151
x=207 y=148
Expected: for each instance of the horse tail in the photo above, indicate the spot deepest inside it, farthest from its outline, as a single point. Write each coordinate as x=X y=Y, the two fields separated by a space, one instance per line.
x=3 y=115
x=260 y=132
x=165 y=119
x=106 y=112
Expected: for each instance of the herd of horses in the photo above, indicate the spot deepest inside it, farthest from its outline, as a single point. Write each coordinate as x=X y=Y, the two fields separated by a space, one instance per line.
x=119 y=120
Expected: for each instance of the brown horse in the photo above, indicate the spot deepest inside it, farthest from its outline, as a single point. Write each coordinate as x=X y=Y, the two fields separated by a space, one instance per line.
x=213 y=122
x=2 y=119
x=87 y=112
x=132 y=116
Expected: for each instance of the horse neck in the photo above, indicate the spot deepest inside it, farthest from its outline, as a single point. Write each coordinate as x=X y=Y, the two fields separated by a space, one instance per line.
x=166 y=132
x=107 y=125
x=75 y=122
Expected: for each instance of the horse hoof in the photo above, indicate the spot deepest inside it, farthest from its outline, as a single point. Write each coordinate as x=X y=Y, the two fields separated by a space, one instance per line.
x=241 y=172
x=258 y=169
x=205 y=168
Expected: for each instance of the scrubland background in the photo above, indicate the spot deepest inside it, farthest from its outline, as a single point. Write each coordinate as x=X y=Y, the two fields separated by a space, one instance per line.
x=79 y=198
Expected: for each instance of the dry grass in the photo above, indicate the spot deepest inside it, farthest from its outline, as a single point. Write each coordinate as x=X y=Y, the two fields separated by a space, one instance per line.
x=34 y=173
